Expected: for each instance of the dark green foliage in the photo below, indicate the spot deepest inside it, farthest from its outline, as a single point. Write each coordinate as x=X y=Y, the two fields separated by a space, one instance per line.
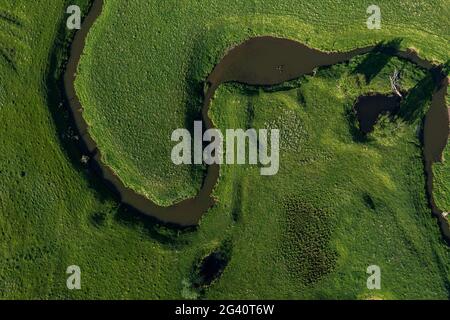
x=98 y=219
x=306 y=241
x=375 y=61
x=414 y=106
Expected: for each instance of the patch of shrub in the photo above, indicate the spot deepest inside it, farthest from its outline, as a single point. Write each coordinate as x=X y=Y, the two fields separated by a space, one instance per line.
x=305 y=243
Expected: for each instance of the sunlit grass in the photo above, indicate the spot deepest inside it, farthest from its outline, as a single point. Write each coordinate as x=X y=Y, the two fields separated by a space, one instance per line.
x=144 y=67
x=161 y=61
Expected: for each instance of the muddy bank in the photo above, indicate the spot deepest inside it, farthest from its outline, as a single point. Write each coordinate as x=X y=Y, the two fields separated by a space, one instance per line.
x=258 y=61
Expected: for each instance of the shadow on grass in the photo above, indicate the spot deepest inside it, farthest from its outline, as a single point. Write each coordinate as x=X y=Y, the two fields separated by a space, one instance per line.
x=10 y=18
x=377 y=59
x=8 y=58
x=172 y=236
x=193 y=107
x=7 y=50
x=356 y=133
x=415 y=103
x=209 y=267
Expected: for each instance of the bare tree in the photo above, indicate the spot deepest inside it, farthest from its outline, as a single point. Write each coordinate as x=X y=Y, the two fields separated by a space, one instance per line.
x=85 y=159
x=395 y=83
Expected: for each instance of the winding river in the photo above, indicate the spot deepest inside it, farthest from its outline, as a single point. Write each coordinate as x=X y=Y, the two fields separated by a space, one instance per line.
x=257 y=61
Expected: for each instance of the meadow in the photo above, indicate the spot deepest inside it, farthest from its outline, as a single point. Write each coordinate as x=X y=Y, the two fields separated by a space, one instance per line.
x=441 y=172
x=137 y=91
x=48 y=200
x=338 y=204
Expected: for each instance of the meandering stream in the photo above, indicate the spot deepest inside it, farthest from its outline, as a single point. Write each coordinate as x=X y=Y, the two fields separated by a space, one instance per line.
x=257 y=61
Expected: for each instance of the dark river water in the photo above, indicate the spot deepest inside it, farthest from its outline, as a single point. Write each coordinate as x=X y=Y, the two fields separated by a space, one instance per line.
x=257 y=61
x=369 y=108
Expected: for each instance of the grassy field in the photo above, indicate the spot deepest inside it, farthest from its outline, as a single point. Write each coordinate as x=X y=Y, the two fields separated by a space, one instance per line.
x=55 y=213
x=47 y=199
x=441 y=173
x=337 y=205
x=168 y=50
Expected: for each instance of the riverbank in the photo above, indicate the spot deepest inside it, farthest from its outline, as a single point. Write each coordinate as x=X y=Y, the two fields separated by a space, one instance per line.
x=255 y=62
x=54 y=212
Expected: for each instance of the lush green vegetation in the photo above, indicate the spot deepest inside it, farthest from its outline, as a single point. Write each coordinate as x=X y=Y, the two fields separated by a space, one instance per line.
x=48 y=201
x=441 y=173
x=306 y=241
x=340 y=202
x=55 y=213
x=166 y=51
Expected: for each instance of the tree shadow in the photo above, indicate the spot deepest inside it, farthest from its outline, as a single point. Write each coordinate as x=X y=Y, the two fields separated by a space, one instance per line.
x=170 y=235
x=414 y=106
x=357 y=135
x=377 y=59
x=196 y=92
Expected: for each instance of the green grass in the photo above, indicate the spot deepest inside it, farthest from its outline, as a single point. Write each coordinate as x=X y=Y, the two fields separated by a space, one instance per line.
x=337 y=205
x=55 y=213
x=48 y=200
x=441 y=173
x=166 y=51
x=12 y=27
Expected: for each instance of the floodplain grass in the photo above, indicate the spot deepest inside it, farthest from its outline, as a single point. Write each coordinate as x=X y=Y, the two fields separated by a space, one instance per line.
x=55 y=213
x=441 y=172
x=11 y=25
x=367 y=200
x=167 y=50
x=48 y=200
